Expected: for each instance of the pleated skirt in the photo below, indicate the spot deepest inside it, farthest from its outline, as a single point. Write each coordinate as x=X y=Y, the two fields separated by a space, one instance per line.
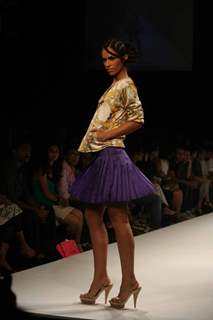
x=112 y=177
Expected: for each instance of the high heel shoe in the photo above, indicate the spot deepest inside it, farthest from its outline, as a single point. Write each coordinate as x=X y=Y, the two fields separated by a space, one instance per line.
x=119 y=303
x=89 y=298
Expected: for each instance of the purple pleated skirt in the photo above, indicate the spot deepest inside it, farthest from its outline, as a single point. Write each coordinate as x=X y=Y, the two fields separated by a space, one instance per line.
x=111 y=177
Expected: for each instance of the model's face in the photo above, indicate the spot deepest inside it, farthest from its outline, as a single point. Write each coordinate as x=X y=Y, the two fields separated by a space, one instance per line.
x=112 y=64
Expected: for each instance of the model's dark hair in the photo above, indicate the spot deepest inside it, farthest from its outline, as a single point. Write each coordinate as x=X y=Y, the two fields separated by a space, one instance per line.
x=121 y=48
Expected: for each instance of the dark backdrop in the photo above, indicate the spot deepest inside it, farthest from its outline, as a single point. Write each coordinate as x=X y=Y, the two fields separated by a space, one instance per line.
x=52 y=77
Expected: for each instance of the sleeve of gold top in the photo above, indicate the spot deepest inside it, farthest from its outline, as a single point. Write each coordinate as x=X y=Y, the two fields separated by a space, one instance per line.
x=132 y=104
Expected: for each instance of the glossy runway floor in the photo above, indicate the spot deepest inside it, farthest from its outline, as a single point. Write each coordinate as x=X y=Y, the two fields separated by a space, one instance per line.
x=174 y=266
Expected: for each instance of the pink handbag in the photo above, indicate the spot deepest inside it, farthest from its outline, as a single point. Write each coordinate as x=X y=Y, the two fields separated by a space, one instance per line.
x=67 y=248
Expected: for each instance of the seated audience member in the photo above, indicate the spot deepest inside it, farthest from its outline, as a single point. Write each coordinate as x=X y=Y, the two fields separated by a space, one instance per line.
x=151 y=205
x=38 y=224
x=149 y=164
x=202 y=175
x=47 y=178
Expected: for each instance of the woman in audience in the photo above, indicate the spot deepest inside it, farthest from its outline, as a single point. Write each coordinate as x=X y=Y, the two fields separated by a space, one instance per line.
x=45 y=190
x=68 y=176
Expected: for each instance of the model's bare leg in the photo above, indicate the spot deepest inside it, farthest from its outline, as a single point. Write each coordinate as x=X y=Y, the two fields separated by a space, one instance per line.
x=99 y=240
x=125 y=240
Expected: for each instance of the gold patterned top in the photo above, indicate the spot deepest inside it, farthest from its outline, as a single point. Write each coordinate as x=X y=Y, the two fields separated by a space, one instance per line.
x=120 y=103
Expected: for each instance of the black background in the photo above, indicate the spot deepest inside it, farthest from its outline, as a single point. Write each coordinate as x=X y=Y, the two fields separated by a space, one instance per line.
x=50 y=84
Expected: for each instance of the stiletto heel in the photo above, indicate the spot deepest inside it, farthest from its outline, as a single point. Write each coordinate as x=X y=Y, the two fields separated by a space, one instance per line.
x=107 y=291
x=135 y=295
x=119 y=303
x=89 y=298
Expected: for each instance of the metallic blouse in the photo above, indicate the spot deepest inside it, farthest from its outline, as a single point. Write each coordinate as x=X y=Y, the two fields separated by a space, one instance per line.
x=120 y=103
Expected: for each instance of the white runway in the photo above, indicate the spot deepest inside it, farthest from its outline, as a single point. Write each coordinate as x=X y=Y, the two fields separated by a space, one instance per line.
x=174 y=266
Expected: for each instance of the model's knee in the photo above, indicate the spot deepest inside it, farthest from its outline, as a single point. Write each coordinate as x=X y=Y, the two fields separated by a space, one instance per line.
x=94 y=217
x=118 y=220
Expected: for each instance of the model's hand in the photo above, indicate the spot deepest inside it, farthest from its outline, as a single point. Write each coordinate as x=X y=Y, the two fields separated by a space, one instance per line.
x=123 y=129
x=101 y=135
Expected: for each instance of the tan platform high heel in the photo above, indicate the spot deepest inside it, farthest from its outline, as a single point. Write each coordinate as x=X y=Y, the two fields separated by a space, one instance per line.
x=88 y=298
x=119 y=303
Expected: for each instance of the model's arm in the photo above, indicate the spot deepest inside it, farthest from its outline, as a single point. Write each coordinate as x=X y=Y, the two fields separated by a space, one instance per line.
x=124 y=129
